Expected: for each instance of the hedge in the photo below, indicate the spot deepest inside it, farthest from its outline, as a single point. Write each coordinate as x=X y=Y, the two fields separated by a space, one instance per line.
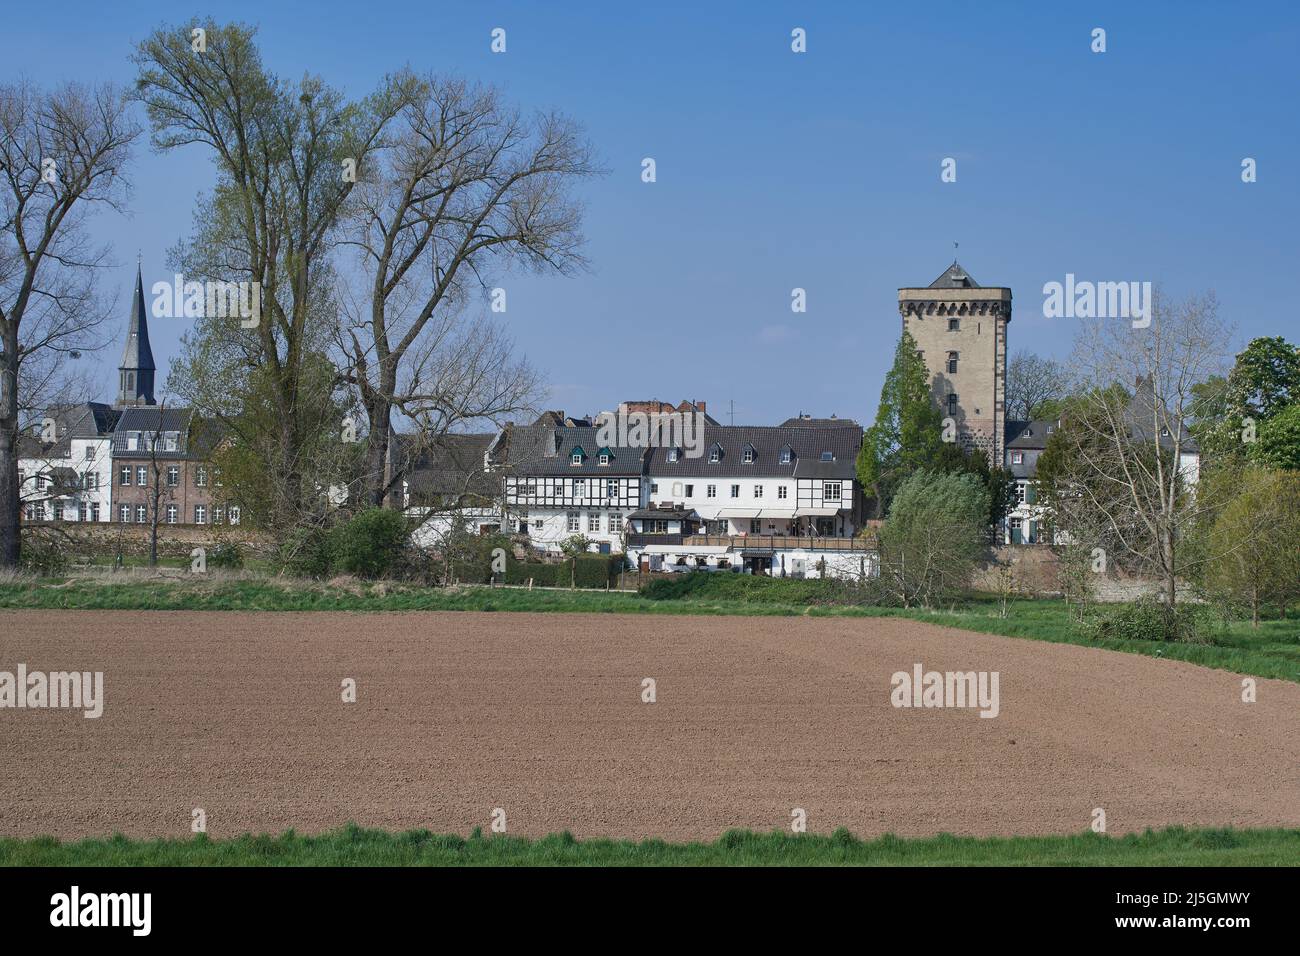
x=591 y=571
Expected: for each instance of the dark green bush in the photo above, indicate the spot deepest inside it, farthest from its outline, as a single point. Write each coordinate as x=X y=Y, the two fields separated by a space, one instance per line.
x=305 y=553
x=370 y=544
x=1148 y=619
x=592 y=571
x=44 y=556
x=227 y=554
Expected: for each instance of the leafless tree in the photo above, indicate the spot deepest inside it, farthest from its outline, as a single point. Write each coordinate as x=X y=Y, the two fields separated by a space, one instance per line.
x=63 y=154
x=1031 y=381
x=462 y=185
x=1129 y=459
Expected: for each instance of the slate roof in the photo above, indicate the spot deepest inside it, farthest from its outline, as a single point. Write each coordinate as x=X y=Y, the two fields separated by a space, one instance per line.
x=954 y=277
x=137 y=354
x=535 y=450
x=83 y=420
x=810 y=422
x=807 y=443
x=1031 y=435
x=151 y=419
x=452 y=468
x=1140 y=415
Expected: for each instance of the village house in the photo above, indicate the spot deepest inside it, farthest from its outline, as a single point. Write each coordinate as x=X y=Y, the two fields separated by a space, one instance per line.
x=69 y=476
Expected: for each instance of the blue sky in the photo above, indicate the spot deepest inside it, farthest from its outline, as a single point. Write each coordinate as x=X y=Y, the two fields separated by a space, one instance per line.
x=819 y=170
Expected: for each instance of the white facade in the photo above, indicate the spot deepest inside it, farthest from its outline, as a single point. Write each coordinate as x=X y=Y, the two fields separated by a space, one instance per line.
x=77 y=487
x=550 y=509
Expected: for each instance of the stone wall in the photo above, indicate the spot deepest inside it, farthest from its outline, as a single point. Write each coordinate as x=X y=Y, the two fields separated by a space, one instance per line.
x=102 y=540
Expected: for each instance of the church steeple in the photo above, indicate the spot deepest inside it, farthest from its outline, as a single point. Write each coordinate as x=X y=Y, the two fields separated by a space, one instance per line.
x=135 y=374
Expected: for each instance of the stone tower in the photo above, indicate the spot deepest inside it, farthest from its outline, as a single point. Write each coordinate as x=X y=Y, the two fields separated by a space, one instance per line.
x=135 y=374
x=961 y=331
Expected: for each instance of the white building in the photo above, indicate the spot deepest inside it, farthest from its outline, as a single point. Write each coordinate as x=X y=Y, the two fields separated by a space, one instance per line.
x=65 y=465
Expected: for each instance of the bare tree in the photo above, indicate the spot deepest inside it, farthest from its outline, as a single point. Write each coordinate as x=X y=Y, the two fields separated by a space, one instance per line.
x=462 y=184
x=63 y=153
x=1129 y=464
x=1031 y=381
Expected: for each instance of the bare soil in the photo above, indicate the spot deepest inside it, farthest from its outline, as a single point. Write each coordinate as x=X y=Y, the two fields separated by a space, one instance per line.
x=541 y=715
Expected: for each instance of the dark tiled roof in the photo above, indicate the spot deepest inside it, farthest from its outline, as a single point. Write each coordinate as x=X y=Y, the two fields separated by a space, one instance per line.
x=534 y=450
x=1030 y=434
x=807 y=443
x=452 y=468
x=83 y=420
x=810 y=422
x=149 y=420
x=954 y=277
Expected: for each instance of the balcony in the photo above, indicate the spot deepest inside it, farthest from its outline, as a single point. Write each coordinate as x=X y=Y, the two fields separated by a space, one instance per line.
x=754 y=542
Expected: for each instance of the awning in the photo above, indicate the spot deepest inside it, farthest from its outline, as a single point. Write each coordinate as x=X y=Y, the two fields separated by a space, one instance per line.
x=773 y=513
x=819 y=512
x=702 y=550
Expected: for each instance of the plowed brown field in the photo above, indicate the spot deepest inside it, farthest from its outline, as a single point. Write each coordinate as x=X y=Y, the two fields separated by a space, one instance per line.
x=541 y=714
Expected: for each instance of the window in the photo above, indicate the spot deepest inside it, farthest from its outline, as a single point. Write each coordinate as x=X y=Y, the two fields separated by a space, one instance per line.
x=654 y=487
x=781 y=491
x=538 y=524
x=749 y=455
x=90 y=453
x=141 y=475
x=786 y=455
x=758 y=491
x=124 y=514
x=715 y=454
x=200 y=514
x=173 y=475
x=217 y=514
x=1017 y=458
x=201 y=476
x=83 y=512
x=716 y=526
x=831 y=490
x=216 y=477
x=954 y=324
x=1020 y=492
x=125 y=478
x=573 y=522
x=672 y=455
x=615 y=522
x=170 y=442
x=593 y=522
x=141 y=514
x=952 y=403
x=94 y=511
x=690 y=491
x=580 y=487
x=58 y=510
x=655 y=526
x=234 y=514
x=755 y=526
x=575 y=458
x=711 y=491
x=611 y=488
x=677 y=489
x=171 y=514
x=952 y=363
x=828 y=456
x=604 y=458
x=735 y=491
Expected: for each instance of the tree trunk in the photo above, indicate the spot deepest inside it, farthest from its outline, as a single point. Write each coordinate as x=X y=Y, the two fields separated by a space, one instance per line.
x=10 y=493
x=378 y=415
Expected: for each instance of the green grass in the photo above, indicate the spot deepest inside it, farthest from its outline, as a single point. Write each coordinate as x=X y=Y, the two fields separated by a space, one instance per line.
x=352 y=846
x=1272 y=650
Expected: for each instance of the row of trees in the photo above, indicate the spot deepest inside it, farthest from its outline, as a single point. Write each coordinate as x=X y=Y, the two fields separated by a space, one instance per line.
x=370 y=226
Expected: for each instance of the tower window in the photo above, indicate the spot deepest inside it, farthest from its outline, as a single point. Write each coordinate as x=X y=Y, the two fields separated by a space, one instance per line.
x=952 y=363
x=952 y=403
x=954 y=324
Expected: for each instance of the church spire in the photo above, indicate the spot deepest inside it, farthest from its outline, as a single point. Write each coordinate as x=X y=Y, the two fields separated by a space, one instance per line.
x=137 y=369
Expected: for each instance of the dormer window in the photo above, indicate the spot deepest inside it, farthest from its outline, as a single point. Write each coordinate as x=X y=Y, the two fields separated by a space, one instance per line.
x=715 y=454
x=576 y=456
x=828 y=456
x=672 y=456
x=604 y=456
x=787 y=455
x=748 y=457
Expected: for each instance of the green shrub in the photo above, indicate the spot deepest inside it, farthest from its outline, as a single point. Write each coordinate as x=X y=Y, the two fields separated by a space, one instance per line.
x=44 y=556
x=1148 y=619
x=227 y=554
x=370 y=544
x=591 y=571
x=305 y=553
